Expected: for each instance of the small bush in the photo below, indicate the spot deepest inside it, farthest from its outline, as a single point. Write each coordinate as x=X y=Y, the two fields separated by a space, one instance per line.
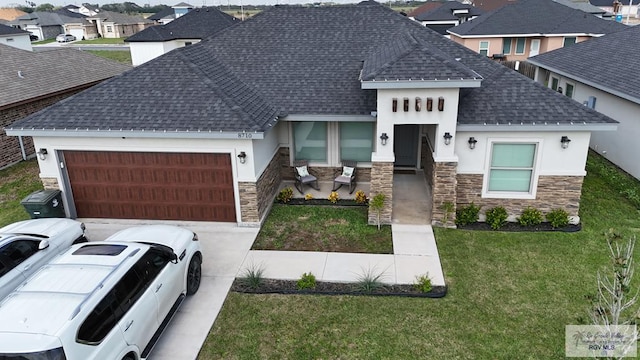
x=530 y=217
x=306 y=281
x=253 y=276
x=361 y=197
x=467 y=214
x=308 y=196
x=558 y=218
x=285 y=195
x=448 y=207
x=369 y=281
x=497 y=217
x=423 y=283
x=334 y=197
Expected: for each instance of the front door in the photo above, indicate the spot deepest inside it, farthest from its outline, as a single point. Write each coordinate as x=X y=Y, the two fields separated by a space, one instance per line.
x=405 y=145
x=535 y=47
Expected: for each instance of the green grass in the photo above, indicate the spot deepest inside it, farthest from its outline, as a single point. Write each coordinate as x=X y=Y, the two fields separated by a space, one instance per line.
x=510 y=297
x=42 y=42
x=345 y=229
x=16 y=183
x=116 y=55
x=107 y=41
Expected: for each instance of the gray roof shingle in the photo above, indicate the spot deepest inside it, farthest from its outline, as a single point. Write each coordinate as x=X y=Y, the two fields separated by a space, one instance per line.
x=10 y=30
x=445 y=12
x=25 y=75
x=299 y=60
x=609 y=62
x=196 y=24
x=536 y=17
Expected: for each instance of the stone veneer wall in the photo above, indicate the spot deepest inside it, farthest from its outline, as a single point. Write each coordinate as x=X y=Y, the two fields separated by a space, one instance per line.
x=255 y=198
x=322 y=173
x=553 y=192
x=10 y=152
x=444 y=189
x=382 y=183
x=50 y=183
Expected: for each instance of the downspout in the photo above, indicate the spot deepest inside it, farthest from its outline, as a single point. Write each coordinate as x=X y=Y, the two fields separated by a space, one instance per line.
x=24 y=154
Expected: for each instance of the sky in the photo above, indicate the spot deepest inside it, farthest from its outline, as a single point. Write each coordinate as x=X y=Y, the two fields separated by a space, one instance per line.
x=197 y=3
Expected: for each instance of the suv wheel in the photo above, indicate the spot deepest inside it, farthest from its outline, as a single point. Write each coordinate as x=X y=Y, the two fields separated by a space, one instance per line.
x=194 y=275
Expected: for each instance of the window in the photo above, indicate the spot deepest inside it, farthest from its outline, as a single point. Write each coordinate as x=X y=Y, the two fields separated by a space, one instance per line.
x=506 y=46
x=310 y=141
x=554 y=83
x=18 y=251
x=511 y=168
x=187 y=43
x=484 y=48
x=356 y=141
x=569 y=91
x=109 y=28
x=520 y=42
x=568 y=41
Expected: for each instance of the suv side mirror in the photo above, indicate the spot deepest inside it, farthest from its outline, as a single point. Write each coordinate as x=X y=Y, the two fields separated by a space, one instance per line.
x=43 y=245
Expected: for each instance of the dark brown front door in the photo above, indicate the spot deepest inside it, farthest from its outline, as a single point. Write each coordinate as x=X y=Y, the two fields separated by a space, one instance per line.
x=157 y=186
x=405 y=145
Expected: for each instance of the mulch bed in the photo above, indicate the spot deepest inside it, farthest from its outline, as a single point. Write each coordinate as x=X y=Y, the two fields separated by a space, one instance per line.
x=302 y=201
x=515 y=227
x=288 y=287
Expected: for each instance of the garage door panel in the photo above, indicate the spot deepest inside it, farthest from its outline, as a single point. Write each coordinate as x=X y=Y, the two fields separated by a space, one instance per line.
x=163 y=186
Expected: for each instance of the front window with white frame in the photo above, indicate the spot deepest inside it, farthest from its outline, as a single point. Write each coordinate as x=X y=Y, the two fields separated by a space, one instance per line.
x=331 y=142
x=484 y=48
x=511 y=169
x=520 y=43
x=356 y=141
x=310 y=141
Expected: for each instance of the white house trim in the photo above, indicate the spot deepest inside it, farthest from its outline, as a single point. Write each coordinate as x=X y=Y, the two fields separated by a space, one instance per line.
x=423 y=84
x=511 y=127
x=109 y=133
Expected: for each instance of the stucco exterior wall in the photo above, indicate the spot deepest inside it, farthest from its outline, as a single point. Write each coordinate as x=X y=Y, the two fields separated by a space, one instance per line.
x=141 y=52
x=20 y=41
x=547 y=43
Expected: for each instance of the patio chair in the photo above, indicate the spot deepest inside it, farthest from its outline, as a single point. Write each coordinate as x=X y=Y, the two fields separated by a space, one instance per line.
x=347 y=176
x=302 y=176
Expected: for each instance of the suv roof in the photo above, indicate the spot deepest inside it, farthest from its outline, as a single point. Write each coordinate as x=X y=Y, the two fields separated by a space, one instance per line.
x=57 y=292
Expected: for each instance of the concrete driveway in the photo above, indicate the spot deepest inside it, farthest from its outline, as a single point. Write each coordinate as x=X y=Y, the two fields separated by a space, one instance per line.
x=224 y=248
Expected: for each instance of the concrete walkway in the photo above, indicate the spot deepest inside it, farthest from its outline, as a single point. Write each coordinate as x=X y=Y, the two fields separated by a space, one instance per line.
x=415 y=253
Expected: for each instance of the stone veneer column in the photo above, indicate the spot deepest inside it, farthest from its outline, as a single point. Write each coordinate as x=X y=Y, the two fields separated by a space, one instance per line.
x=248 y=202
x=50 y=183
x=444 y=190
x=382 y=183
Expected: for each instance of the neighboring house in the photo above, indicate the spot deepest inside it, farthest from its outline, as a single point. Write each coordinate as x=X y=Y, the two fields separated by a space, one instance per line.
x=116 y=25
x=186 y=30
x=168 y=15
x=87 y=9
x=48 y=25
x=78 y=25
x=445 y=16
x=490 y=5
x=10 y=13
x=32 y=81
x=182 y=9
x=585 y=6
x=208 y=132
x=611 y=87
x=528 y=28
x=15 y=37
x=625 y=8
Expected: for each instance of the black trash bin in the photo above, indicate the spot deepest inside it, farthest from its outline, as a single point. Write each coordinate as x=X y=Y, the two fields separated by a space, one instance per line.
x=44 y=204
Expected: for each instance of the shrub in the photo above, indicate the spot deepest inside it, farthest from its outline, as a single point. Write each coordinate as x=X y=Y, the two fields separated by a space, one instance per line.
x=361 y=197
x=423 y=283
x=308 y=196
x=497 y=217
x=334 y=197
x=253 y=276
x=448 y=207
x=377 y=205
x=306 y=281
x=530 y=217
x=558 y=218
x=369 y=281
x=467 y=214
x=285 y=195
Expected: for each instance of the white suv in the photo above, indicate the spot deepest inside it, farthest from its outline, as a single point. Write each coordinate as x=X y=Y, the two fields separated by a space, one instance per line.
x=102 y=300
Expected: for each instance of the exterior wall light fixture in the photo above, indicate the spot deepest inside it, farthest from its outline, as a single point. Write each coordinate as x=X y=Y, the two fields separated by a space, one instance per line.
x=472 y=143
x=243 y=157
x=564 y=142
x=42 y=153
x=383 y=138
x=447 y=138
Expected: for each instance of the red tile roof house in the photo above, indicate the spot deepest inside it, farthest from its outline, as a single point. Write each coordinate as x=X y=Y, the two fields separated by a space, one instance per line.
x=208 y=132
x=31 y=81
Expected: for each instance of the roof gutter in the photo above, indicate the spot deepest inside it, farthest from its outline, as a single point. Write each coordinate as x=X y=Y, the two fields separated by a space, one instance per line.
x=586 y=82
x=543 y=127
x=422 y=84
x=120 y=133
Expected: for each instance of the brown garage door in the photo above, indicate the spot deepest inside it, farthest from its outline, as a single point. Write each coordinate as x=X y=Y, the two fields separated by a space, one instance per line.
x=160 y=186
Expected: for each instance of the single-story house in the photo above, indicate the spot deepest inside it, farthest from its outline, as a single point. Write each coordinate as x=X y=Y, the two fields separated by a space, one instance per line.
x=31 y=81
x=187 y=29
x=15 y=37
x=208 y=132
x=445 y=16
x=112 y=24
x=600 y=74
x=48 y=25
x=163 y=16
x=528 y=28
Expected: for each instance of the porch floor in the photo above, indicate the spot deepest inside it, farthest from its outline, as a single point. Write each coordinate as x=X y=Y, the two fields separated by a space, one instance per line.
x=325 y=190
x=411 y=199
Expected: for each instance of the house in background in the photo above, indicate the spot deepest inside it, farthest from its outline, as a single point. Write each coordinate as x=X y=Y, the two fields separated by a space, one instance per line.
x=610 y=87
x=208 y=132
x=528 y=28
x=626 y=8
x=445 y=15
x=15 y=37
x=77 y=24
x=168 y=15
x=490 y=5
x=31 y=81
x=585 y=6
x=111 y=24
x=44 y=25
x=186 y=30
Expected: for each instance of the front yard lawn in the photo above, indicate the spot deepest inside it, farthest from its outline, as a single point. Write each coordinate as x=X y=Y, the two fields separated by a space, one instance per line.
x=343 y=229
x=98 y=41
x=116 y=55
x=510 y=297
x=16 y=183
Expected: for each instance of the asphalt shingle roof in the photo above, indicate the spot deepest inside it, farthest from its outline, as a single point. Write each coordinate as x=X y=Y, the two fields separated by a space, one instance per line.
x=162 y=14
x=300 y=60
x=445 y=12
x=10 y=30
x=609 y=62
x=536 y=17
x=121 y=19
x=25 y=75
x=610 y=2
x=196 y=24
